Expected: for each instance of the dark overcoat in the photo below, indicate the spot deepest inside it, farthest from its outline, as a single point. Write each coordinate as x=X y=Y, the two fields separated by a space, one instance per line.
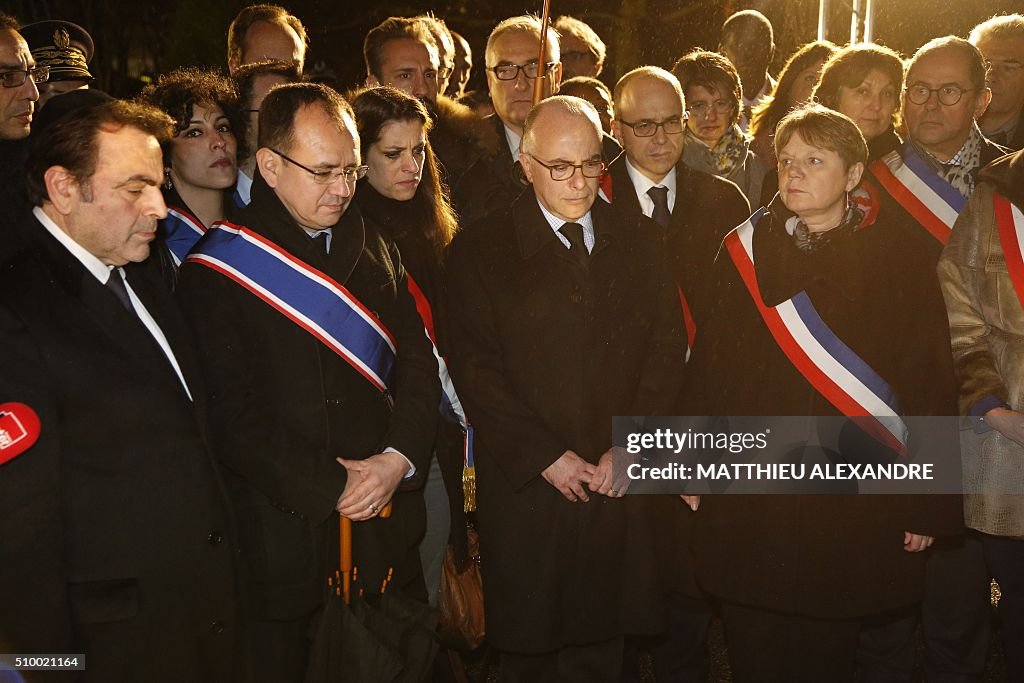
x=827 y=556
x=545 y=353
x=283 y=406
x=116 y=534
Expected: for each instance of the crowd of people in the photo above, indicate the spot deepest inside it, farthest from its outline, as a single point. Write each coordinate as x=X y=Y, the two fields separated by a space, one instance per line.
x=244 y=306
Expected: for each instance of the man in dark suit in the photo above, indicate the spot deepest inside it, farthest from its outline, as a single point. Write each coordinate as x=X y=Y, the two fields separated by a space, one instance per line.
x=562 y=315
x=312 y=408
x=116 y=531
x=695 y=209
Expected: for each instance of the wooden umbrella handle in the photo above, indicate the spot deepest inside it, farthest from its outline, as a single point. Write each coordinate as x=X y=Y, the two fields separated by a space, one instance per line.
x=345 y=533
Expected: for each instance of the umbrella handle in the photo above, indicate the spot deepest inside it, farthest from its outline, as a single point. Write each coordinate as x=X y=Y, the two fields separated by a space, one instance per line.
x=345 y=534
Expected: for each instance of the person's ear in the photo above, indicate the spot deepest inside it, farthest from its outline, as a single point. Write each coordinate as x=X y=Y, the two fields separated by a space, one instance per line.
x=981 y=103
x=269 y=165
x=371 y=81
x=617 y=130
x=526 y=162
x=62 y=189
x=854 y=175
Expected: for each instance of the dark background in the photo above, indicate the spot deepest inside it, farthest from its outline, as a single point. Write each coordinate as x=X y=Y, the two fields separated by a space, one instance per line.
x=137 y=39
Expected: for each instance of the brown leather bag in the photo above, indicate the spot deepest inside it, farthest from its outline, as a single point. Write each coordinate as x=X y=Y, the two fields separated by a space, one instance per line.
x=462 y=599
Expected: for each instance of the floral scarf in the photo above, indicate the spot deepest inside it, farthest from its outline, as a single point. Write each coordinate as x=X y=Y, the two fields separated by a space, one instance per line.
x=731 y=151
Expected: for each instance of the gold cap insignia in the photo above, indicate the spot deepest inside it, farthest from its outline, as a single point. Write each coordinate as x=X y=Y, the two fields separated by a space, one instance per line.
x=61 y=38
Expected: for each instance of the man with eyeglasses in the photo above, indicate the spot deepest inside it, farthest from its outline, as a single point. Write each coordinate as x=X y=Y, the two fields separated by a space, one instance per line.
x=1001 y=41
x=931 y=177
x=538 y=295
x=511 y=55
x=583 y=51
x=695 y=211
x=323 y=387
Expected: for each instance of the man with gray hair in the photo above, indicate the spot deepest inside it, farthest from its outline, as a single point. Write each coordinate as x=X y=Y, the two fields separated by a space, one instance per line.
x=538 y=292
x=583 y=51
x=1001 y=41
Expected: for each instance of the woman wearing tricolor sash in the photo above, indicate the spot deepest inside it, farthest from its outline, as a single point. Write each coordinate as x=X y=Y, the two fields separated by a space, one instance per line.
x=982 y=276
x=821 y=313
x=404 y=198
x=200 y=161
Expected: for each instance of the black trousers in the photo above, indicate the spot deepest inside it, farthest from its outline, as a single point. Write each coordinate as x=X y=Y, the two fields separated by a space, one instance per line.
x=955 y=618
x=680 y=655
x=771 y=647
x=592 y=663
x=1005 y=558
x=280 y=649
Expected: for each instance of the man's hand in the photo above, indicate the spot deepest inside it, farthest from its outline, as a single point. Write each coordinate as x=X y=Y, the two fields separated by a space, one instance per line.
x=568 y=474
x=371 y=483
x=692 y=501
x=1009 y=423
x=604 y=481
x=915 y=543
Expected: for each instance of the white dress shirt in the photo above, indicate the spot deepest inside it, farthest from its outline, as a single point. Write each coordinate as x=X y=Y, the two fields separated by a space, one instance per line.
x=102 y=273
x=556 y=223
x=514 y=140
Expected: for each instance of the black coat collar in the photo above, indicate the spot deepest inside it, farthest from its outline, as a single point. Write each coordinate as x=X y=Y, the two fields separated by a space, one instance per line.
x=534 y=233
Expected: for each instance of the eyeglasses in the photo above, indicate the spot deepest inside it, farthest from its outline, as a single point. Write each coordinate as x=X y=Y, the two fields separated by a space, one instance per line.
x=15 y=79
x=673 y=125
x=919 y=93
x=510 y=72
x=701 y=108
x=592 y=168
x=351 y=174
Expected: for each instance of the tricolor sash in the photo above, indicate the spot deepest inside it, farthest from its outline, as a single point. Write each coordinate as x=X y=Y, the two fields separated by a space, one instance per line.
x=182 y=232
x=1010 y=224
x=831 y=367
x=926 y=196
x=304 y=295
x=688 y=321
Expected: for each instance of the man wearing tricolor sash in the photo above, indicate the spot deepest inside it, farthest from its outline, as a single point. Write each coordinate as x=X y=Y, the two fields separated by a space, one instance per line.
x=982 y=276
x=931 y=179
x=324 y=389
x=934 y=172
x=562 y=315
x=820 y=315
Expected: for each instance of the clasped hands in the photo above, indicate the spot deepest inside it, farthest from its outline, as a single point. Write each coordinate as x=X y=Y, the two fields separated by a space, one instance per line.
x=371 y=484
x=573 y=476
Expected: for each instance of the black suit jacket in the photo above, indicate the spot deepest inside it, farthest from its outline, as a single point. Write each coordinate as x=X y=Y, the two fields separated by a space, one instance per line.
x=706 y=209
x=283 y=406
x=115 y=528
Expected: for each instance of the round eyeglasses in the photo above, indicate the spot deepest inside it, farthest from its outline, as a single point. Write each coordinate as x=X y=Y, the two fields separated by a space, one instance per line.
x=919 y=93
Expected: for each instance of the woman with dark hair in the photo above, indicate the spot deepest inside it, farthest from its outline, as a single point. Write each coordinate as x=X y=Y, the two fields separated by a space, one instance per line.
x=403 y=196
x=825 y=309
x=795 y=86
x=864 y=83
x=714 y=142
x=200 y=161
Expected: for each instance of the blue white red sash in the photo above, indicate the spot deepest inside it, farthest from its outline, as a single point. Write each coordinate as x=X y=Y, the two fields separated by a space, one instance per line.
x=303 y=294
x=182 y=231
x=831 y=367
x=926 y=196
x=451 y=406
x=1010 y=224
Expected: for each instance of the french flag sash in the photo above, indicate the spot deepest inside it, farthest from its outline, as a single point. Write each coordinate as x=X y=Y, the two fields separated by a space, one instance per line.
x=451 y=406
x=933 y=202
x=1010 y=224
x=831 y=367
x=304 y=295
x=183 y=230
x=691 y=325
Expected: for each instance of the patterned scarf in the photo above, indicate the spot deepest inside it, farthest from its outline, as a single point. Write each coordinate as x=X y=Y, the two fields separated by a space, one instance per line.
x=730 y=151
x=809 y=242
x=960 y=171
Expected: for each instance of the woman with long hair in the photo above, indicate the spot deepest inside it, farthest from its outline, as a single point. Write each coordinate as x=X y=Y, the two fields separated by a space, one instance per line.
x=403 y=196
x=795 y=86
x=200 y=161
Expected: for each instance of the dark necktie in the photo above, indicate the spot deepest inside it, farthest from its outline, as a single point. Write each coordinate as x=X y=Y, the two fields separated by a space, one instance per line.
x=661 y=215
x=577 y=248
x=116 y=284
x=320 y=242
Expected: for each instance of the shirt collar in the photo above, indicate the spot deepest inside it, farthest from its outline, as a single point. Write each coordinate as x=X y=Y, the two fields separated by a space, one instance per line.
x=99 y=270
x=642 y=183
x=556 y=223
x=514 y=141
x=244 y=187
